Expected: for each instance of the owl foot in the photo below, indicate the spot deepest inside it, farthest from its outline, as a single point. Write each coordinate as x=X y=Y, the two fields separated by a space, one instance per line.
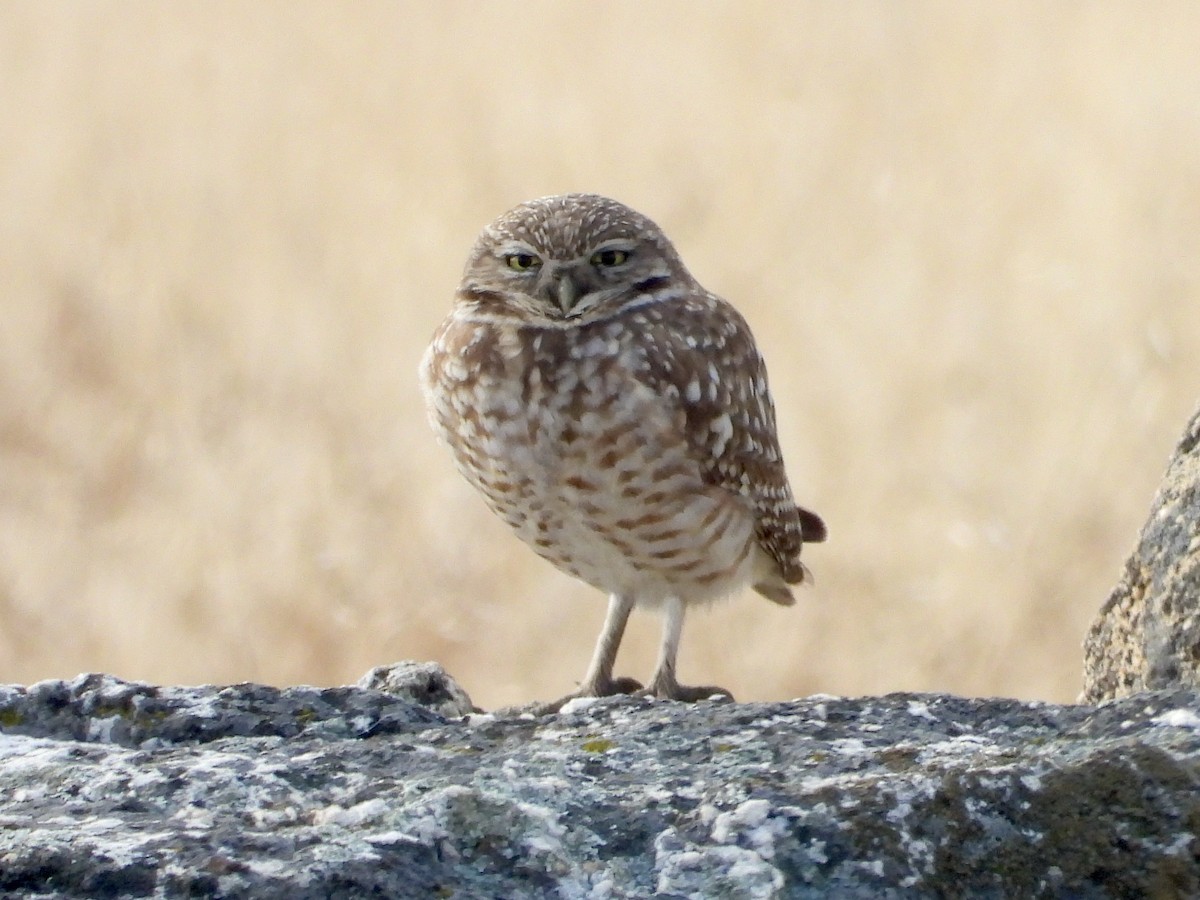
x=609 y=687
x=667 y=688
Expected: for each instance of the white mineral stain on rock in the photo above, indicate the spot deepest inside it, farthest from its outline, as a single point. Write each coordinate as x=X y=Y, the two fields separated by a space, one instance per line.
x=920 y=709
x=21 y=752
x=1178 y=718
x=722 y=870
x=352 y=817
x=100 y=730
x=577 y=704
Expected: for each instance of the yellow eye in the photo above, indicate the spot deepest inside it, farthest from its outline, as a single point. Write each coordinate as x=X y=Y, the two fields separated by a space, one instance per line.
x=607 y=258
x=522 y=262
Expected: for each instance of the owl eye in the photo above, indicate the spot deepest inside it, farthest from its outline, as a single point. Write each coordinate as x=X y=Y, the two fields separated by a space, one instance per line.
x=607 y=258
x=522 y=262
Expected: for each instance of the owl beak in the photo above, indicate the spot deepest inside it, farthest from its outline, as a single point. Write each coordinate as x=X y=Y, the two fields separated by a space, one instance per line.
x=566 y=292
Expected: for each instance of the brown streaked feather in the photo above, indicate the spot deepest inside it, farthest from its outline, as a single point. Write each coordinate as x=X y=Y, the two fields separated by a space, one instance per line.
x=708 y=359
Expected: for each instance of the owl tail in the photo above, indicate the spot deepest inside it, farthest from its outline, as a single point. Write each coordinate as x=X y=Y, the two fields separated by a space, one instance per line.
x=776 y=592
x=812 y=526
x=769 y=581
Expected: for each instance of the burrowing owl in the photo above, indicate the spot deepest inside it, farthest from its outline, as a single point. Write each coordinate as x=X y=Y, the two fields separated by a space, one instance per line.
x=616 y=415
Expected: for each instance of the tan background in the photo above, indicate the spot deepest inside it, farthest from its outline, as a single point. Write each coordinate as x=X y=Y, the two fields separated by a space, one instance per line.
x=967 y=235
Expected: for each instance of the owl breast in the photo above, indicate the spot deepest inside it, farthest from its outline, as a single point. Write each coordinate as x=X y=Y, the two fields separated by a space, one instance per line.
x=567 y=443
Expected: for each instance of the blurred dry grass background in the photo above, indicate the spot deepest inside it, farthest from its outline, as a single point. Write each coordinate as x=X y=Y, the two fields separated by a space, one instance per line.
x=968 y=236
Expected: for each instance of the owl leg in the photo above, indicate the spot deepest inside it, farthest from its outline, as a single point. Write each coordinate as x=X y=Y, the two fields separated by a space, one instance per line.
x=663 y=683
x=599 y=681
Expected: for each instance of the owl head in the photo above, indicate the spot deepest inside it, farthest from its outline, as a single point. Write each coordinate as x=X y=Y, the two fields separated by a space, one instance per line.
x=569 y=259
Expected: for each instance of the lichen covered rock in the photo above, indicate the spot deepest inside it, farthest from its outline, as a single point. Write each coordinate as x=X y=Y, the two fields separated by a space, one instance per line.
x=114 y=789
x=1147 y=635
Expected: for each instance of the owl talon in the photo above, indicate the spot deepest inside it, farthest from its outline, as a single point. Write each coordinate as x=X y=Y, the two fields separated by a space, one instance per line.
x=608 y=688
x=622 y=685
x=686 y=693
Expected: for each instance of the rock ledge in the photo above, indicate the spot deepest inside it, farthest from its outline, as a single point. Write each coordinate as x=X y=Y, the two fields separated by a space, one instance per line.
x=117 y=789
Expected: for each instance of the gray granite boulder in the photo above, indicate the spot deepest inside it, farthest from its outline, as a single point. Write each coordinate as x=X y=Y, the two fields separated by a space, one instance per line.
x=113 y=789
x=1147 y=635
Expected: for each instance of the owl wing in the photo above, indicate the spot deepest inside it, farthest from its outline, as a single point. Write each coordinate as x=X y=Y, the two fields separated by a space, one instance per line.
x=708 y=355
